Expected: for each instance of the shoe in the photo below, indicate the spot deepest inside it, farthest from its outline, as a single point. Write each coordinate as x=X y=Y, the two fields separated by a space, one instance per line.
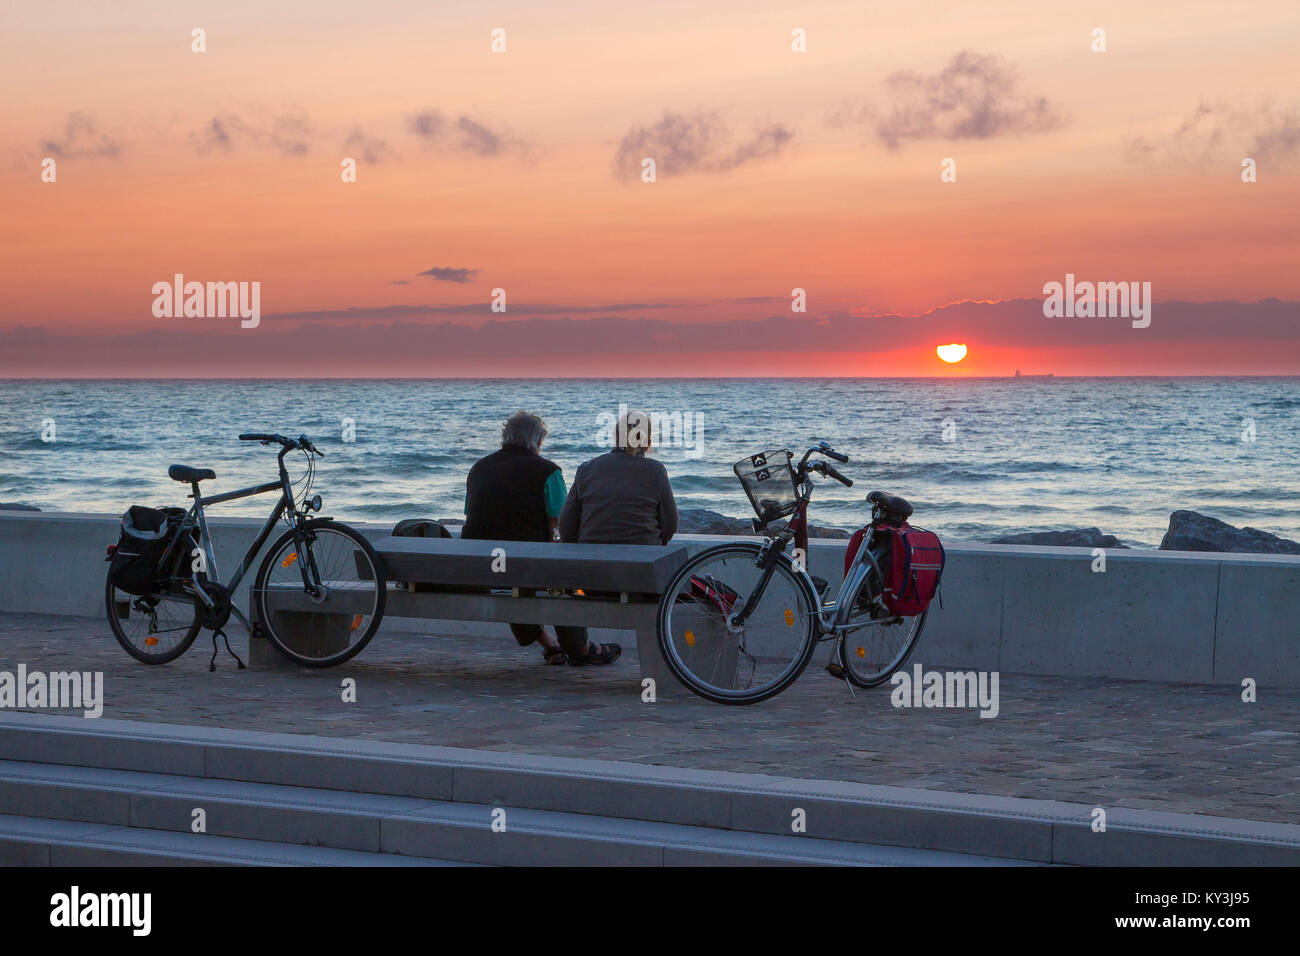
x=597 y=654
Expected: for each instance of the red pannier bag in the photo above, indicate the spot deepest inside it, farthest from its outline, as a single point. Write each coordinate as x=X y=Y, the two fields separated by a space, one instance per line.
x=916 y=560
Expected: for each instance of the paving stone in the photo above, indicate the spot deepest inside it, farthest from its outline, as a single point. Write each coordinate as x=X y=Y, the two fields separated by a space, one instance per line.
x=1184 y=748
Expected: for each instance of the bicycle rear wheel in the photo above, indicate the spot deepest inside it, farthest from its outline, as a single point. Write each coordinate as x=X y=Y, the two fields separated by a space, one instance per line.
x=878 y=643
x=724 y=663
x=152 y=628
x=332 y=625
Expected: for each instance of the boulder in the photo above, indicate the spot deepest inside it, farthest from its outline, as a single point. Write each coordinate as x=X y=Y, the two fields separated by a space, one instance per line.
x=1075 y=538
x=704 y=521
x=1190 y=531
x=4 y=506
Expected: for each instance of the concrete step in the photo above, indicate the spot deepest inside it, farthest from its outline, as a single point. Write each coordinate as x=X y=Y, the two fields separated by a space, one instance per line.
x=877 y=816
x=432 y=829
x=29 y=841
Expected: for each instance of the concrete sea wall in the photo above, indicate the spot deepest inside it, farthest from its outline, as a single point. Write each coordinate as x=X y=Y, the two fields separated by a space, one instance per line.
x=1151 y=615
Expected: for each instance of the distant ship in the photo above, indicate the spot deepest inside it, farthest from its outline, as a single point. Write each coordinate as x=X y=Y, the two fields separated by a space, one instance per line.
x=1018 y=375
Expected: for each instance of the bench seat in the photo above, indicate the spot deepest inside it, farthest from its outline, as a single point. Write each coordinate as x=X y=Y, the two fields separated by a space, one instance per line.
x=507 y=582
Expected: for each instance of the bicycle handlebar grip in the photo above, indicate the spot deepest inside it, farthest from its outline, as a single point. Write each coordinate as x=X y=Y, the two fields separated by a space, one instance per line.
x=837 y=456
x=846 y=482
x=248 y=436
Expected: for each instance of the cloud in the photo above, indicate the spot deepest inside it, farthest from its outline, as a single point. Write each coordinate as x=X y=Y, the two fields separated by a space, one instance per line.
x=427 y=124
x=289 y=133
x=81 y=140
x=447 y=274
x=1217 y=133
x=372 y=150
x=1241 y=335
x=976 y=96
x=464 y=134
x=680 y=143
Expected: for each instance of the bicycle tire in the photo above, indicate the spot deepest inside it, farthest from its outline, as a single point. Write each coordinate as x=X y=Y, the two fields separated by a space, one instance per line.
x=260 y=592
x=683 y=673
x=115 y=625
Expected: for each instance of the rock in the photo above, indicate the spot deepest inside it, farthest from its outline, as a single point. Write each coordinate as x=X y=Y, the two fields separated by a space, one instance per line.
x=4 y=506
x=1076 y=538
x=450 y=522
x=704 y=521
x=1190 y=531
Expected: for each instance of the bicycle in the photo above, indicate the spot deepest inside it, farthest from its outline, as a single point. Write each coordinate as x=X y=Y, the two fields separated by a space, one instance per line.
x=328 y=563
x=739 y=622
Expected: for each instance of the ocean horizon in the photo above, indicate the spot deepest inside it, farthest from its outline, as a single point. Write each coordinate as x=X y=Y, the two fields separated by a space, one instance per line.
x=979 y=457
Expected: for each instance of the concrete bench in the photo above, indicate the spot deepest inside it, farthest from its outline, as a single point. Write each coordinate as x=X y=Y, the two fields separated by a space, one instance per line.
x=450 y=579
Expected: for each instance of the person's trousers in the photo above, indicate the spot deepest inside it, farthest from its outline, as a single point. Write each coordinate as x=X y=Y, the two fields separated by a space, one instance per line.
x=573 y=640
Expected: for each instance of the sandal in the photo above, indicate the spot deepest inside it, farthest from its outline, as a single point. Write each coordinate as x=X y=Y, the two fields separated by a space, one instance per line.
x=597 y=654
x=555 y=656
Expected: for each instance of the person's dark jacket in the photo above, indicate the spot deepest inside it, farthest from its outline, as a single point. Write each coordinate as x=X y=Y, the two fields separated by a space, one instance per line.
x=620 y=498
x=505 y=498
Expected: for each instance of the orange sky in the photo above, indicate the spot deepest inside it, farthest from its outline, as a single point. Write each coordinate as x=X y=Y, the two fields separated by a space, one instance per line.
x=1067 y=161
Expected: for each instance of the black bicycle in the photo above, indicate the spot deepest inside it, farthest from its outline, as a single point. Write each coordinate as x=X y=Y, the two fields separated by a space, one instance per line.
x=326 y=580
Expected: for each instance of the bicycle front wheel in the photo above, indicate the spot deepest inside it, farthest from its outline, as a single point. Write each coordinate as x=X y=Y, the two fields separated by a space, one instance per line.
x=320 y=600
x=723 y=662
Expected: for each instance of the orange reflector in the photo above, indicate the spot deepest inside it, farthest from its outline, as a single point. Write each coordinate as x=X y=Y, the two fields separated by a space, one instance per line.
x=151 y=641
x=789 y=618
x=289 y=560
x=690 y=638
x=862 y=652
x=356 y=623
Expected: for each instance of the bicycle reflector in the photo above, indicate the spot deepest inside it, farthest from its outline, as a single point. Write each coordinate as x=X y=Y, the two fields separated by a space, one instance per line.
x=289 y=559
x=690 y=638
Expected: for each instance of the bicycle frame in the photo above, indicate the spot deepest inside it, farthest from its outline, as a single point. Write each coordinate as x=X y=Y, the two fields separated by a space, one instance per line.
x=196 y=518
x=832 y=617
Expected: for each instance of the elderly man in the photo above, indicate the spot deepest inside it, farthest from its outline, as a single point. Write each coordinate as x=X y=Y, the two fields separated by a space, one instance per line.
x=622 y=496
x=516 y=495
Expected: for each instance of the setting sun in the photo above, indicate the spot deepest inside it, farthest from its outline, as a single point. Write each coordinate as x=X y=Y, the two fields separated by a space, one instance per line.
x=951 y=353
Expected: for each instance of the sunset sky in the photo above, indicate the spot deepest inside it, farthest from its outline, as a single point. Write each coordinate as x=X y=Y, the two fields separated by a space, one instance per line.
x=776 y=170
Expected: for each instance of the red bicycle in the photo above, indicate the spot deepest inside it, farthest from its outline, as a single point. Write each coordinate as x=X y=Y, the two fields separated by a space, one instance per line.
x=739 y=622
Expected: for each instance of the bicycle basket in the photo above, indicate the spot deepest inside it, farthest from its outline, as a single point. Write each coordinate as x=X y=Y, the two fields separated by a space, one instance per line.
x=768 y=480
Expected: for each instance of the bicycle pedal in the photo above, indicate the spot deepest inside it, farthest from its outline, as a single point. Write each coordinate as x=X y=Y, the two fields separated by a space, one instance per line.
x=836 y=671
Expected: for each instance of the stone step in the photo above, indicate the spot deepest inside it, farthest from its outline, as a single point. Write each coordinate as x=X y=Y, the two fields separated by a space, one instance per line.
x=430 y=829
x=29 y=841
x=877 y=816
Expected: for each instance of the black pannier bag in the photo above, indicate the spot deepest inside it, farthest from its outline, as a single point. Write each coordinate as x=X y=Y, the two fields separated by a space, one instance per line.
x=133 y=565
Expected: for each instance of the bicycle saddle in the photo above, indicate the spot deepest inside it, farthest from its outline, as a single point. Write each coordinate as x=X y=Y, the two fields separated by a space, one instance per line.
x=900 y=507
x=187 y=474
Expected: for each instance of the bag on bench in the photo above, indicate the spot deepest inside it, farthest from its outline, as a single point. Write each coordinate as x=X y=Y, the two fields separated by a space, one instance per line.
x=419 y=528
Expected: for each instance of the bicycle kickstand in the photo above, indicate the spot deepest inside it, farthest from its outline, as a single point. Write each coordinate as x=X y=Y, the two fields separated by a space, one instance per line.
x=212 y=664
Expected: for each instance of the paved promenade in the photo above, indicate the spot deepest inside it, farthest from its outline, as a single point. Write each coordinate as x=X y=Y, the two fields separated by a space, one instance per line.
x=1186 y=748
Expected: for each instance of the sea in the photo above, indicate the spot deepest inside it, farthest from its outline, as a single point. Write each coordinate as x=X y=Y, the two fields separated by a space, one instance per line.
x=979 y=458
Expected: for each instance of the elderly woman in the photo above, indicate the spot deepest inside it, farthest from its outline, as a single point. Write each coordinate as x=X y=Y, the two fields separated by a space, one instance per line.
x=516 y=495
x=621 y=497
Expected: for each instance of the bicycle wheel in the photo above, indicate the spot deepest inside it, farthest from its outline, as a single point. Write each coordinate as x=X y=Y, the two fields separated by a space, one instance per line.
x=877 y=643
x=724 y=663
x=334 y=624
x=152 y=628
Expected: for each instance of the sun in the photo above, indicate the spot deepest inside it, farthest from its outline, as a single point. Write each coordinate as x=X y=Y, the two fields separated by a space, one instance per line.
x=951 y=353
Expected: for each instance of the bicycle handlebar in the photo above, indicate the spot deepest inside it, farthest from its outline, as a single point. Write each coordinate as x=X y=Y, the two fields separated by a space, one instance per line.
x=846 y=482
x=841 y=458
x=301 y=442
